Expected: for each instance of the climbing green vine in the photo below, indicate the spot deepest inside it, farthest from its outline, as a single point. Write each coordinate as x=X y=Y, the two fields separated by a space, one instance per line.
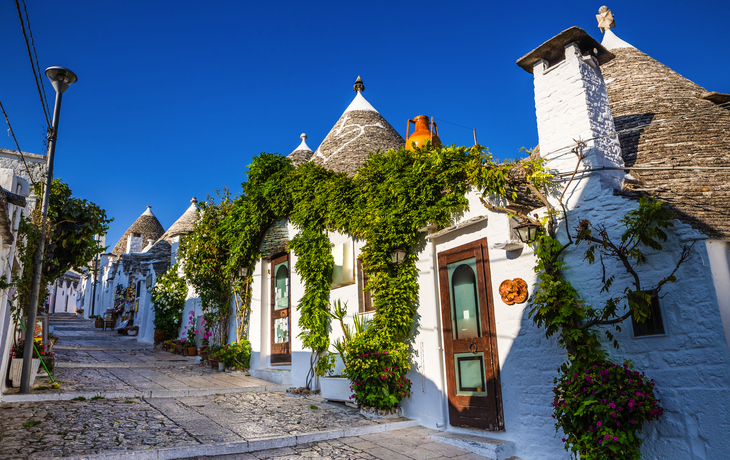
x=601 y=405
x=392 y=196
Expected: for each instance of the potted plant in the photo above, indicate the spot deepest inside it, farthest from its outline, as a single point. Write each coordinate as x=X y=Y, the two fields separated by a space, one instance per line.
x=204 y=342
x=132 y=330
x=178 y=345
x=53 y=338
x=332 y=386
x=213 y=353
x=160 y=336
x=99 y=322
x=236 y=356
x=16 y=366
x=168 y=345
x=80 y=312
x=190 y=348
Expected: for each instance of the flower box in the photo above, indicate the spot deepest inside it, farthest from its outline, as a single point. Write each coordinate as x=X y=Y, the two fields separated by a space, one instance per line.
x=16 y=371
x=192 y=351
x=335 y=388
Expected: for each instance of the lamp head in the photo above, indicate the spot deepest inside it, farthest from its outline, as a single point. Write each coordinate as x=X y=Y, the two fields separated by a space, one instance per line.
x=61 y=78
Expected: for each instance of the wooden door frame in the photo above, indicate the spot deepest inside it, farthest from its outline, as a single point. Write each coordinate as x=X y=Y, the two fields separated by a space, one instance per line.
x=484 y=283
x=279 y=358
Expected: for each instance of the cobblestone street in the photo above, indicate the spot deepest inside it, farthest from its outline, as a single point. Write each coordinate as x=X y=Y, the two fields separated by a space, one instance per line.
x=118 y=395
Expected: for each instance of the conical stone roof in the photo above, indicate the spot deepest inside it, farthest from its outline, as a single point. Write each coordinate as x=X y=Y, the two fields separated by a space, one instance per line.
x=301 y=154
x=182 y=225
x=359 y=131
x=146 y=226
x=641 y=91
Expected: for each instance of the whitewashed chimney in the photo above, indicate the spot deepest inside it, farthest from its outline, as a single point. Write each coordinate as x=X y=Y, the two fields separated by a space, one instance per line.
x=571 y=104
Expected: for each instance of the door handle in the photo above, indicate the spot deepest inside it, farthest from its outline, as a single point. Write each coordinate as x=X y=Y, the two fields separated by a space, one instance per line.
x=473 y=348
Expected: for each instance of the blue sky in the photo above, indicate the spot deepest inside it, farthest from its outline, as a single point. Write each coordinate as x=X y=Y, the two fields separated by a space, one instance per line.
x=175 y=98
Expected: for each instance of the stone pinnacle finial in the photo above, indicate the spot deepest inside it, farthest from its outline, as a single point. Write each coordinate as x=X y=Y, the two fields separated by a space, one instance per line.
x=359 y=85
x=605 y=19
x=193 y=200
x=303 y=136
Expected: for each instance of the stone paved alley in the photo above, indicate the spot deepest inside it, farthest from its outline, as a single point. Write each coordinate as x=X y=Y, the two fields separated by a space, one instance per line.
x=118 y=396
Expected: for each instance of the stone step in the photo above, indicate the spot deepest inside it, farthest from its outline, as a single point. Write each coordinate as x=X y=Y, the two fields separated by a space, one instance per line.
x=493 y=449
x=280 y=376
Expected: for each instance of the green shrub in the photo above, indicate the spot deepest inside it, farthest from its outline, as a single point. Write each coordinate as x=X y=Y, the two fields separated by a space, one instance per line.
x=236 y=355
x=168 y=297
x=325 y=365
x=377 y=369
x=601 y=407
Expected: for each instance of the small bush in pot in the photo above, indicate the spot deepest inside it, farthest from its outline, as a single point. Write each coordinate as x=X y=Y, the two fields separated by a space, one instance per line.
x=236 y=355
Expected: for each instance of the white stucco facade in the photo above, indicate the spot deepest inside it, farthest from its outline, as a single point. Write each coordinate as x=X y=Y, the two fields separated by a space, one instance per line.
x=690 y=362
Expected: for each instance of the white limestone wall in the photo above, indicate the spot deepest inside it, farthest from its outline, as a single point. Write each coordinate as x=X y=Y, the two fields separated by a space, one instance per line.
x=7 y=256
x=258 y=334
x=690 y=363
x=527 y=360
x=718 y=254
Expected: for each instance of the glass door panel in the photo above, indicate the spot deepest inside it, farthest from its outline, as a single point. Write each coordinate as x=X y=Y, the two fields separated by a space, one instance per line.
x=281 y=283
x=465 y=299
x=470 y=375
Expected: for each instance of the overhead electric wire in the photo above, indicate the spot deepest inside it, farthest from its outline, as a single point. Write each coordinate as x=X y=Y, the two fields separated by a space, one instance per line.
x=35 y=55
x=20 y=152
x=38 y=82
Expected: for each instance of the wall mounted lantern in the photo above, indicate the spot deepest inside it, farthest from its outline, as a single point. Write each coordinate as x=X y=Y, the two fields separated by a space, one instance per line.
x=398 y=256
x=528 y=231
x=243 y=272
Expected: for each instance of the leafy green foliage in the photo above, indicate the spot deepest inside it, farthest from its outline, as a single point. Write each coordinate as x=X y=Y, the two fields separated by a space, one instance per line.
x=602 y=407
x=325 y=365
x=204 y=253
x=71 y=227
x=235 y=355
x=393 y=195
x=377 y=371
x=168 y=301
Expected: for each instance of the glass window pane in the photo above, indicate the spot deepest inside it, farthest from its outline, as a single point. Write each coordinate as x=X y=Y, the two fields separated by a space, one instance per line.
x=470 y=378
x=281 y=284
x=465 y=311
x=281 y=330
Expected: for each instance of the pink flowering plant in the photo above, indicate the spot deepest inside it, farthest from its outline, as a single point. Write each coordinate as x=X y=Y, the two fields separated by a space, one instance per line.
x=601 y=407
x=377 y=369
x=191 y=332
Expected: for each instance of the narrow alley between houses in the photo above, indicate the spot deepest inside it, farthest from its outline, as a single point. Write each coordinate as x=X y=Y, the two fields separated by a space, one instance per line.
x=120 y=398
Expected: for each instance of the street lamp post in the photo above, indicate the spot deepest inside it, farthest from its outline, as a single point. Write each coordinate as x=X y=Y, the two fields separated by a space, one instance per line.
x=61 y=78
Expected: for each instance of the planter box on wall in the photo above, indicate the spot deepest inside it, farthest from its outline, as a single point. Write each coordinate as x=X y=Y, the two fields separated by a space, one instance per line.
x=16 y=370
x=335 y=388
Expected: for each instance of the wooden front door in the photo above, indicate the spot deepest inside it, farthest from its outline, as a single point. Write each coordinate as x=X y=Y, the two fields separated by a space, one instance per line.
x=280 y=311
x=470 y=341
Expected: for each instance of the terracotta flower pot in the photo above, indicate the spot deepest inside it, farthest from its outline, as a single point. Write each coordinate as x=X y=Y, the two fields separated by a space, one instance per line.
x=213 y=363
x=192 y=351
x=99 y=323
x=203 y=352
x=178 y=347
